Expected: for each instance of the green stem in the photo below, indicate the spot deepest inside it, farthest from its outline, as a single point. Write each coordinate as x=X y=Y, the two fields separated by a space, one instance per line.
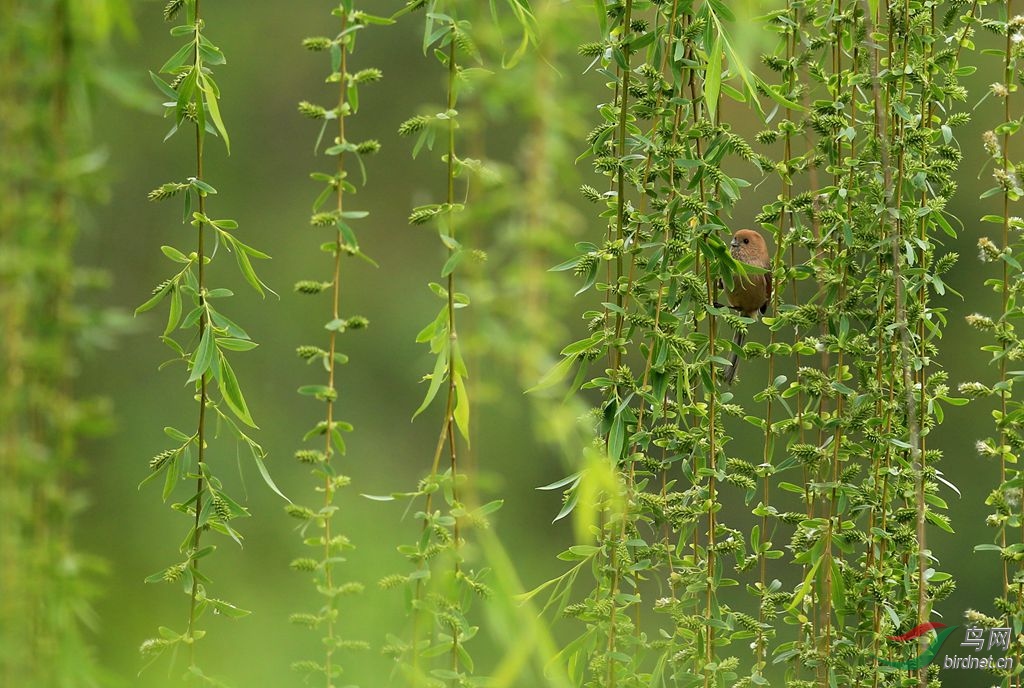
x=712 y=496
x=923 y=611
x=452 y=334
x=201 y=431
x=448 y=428
x=1004 y=394
x=893 y=195
x=616 y=353
x=330 y=641
x=620 y=181
x=842 y=257
x=784 y=221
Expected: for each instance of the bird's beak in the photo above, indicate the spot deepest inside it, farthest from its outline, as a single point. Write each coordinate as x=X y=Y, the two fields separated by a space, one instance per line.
x=734 y=243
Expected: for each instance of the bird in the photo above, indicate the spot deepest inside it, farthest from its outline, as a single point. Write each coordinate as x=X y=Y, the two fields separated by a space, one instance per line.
x=750 y=295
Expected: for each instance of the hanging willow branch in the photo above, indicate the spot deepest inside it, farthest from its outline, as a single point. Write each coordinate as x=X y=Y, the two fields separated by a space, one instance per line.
x=330 y=544
x=192 y=99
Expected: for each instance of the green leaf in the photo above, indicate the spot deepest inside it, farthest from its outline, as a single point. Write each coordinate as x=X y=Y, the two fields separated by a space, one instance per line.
x=353 y=97
x=736 y=60
x=574 y=478
x=250 y=251
x=186 y=206
x=617 y=438
x=176 y=434
x=453 y=262
x=568 y=507
x=186 y=95
x=713 y=77
x=154 y=300
x=266 y=477
x=439 y=323
x=436 y=378
x=209 y=89
x=319 y=391
x=164 y=87
x=160 y=576
x=935 y=519
x=225 y=323
x=555 y=375
x=490 y=507
x=203 y=358
x=335 y=57
x=584 y=551
x=339 y=441
x=806 y=587
x=175 y=255
x=839 y=602
x=174 y=313
x=203 y=186
x=378 y=498
x=178 y=59
x=211 y=54
x=778 y=97
x=232 y=392
x=205 y=551
x=584 y=344
x=234 y=344
x=172 y=476
x=245 y=265
x=227 y=609
x=224 y=224
x=461 y=408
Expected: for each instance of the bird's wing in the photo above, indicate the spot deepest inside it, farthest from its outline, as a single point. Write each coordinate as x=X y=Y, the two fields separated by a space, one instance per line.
x=767 y=291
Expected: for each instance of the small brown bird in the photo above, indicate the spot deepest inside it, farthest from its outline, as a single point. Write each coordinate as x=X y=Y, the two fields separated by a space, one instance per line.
x=750 y=295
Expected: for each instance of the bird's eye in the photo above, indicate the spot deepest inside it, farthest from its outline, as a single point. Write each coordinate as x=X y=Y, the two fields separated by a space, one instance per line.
x=746 y=241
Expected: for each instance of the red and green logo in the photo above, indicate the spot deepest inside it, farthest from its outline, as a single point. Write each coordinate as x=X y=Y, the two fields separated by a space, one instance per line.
x=926 y=657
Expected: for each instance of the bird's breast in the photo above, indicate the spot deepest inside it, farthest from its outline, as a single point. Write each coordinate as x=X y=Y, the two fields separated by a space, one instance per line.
x=748 y=294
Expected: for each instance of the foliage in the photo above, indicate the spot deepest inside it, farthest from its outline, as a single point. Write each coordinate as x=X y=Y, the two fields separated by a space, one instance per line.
x=440 y=587
x=662 y=265
x=192 y=97
x=51 y=54
x=330 y=545
x=1004 y=500
x=523 y=212
x=695 y=563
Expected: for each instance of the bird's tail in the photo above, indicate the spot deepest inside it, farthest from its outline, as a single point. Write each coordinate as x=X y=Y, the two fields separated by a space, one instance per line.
x=730 y=372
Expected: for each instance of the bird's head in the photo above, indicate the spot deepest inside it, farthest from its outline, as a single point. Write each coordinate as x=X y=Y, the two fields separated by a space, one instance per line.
x=748 y=246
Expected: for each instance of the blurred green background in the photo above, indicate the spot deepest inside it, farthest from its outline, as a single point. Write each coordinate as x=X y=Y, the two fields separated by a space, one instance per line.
x=264 y=185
